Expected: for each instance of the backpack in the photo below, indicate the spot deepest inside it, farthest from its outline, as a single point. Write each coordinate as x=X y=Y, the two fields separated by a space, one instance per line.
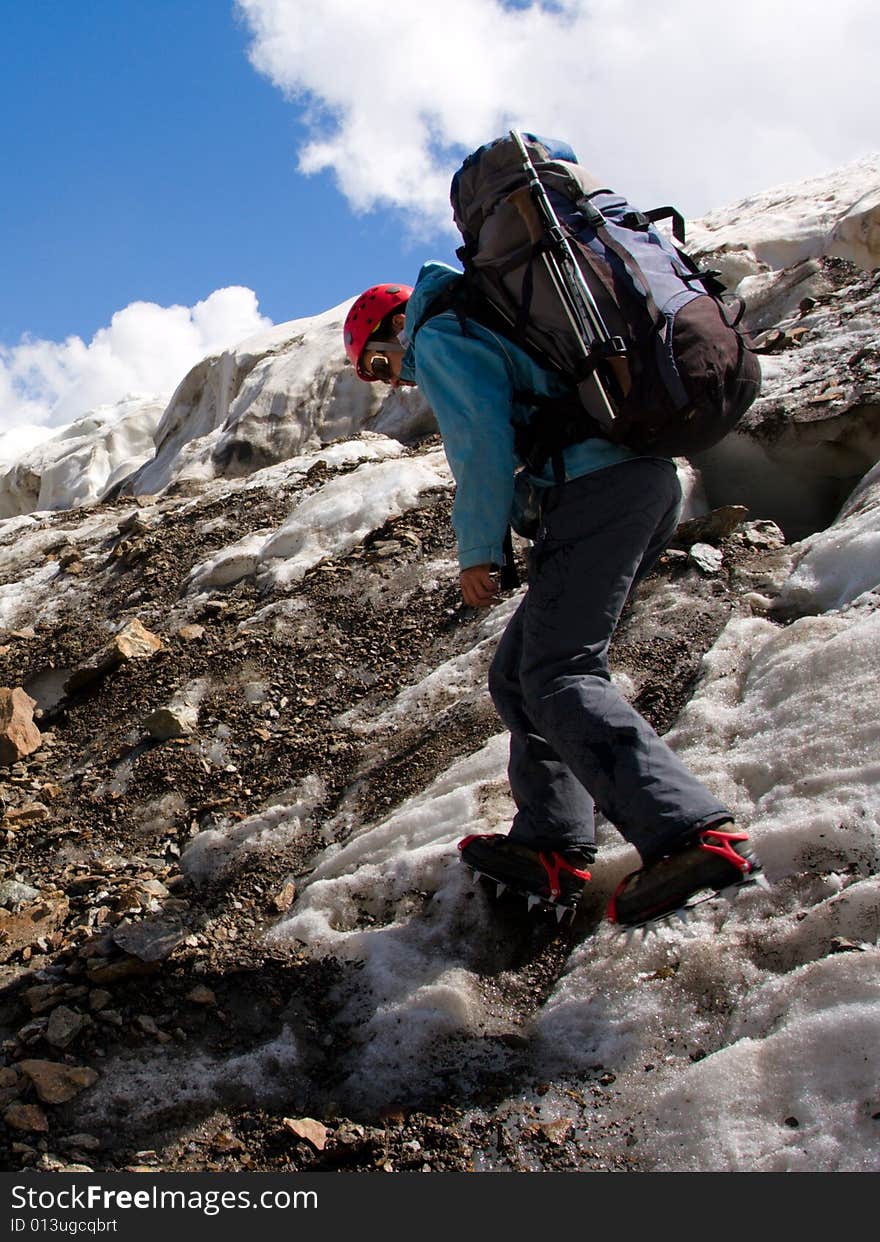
x=677 y=371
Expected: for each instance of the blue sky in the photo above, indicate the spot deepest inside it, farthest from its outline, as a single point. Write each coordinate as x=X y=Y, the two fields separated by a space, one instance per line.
x=146 y=160
x=178 y=174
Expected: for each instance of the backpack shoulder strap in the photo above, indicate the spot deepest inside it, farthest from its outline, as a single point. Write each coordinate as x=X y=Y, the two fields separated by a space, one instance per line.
x=443 y=302
x=465 y=302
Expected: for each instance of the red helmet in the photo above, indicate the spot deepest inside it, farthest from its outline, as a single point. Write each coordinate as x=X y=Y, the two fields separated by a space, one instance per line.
x=365 y=316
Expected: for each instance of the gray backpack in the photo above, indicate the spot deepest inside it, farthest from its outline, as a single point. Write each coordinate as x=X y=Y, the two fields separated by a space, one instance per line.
x=677 y=370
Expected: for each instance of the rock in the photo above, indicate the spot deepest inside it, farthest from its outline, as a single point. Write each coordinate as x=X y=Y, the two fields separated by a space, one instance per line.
x=307 y=1128
x=555 y=1132
x=200 y=995
x=55 y=1083
x=674 y=556
x=130 y=900
x=32 y=1031
x=350 y=1134
x=840 y=944
x=11 y=1086
x=384 y=548
x=23 y=929
x=776 y=340
x=150 y=941
x=12 y=893
x=64 y=1026
x=111 y=1016
x=19 y=736
x=42 y=997
x=761 y=605
x=29 y=1118
x=225 y=1140
x=80 y=1142
x=169 y=722
x=763 y=534
x=125 y=968
x=22 y=816
x=154 y=888
x=134 y=524
x=191 y=633
x=283 y=900
x=12 y=975
x=707 y=559
x=711 y=527
x=133 y=642
x=83 y=884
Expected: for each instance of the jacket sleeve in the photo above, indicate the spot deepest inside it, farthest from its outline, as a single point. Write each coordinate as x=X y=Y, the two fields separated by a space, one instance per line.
x=467 y=380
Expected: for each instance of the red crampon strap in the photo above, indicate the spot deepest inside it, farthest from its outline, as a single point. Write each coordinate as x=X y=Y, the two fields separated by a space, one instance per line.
x=725 y=847
x=553 y=864
x=612 y=904
x=477 y=836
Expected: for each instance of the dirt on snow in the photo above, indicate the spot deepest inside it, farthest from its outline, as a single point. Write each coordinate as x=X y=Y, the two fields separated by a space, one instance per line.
x=108 y=952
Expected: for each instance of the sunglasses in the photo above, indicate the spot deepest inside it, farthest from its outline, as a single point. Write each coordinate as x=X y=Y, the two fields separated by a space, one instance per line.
x=376 y=361
x=379 y=366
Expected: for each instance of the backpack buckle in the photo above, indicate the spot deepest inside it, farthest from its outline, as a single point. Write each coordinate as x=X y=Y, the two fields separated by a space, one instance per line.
x=637 y=221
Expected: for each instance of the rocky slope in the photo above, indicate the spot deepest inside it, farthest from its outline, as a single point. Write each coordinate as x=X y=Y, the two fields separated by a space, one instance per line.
x=232 y=930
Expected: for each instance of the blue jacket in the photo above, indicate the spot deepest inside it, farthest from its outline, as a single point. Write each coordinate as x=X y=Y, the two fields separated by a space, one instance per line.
x=470 y=382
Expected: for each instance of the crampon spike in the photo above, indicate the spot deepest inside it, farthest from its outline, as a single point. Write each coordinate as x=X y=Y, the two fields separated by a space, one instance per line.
x=500 y=888
x=762 y=881
x=534 y=901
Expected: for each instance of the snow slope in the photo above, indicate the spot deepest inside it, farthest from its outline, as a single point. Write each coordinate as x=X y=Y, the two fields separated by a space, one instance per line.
x=747 y=1040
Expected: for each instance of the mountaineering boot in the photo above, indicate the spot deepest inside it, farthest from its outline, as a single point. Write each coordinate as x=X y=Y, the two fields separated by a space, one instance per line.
x=546 y=878
x=715 y=859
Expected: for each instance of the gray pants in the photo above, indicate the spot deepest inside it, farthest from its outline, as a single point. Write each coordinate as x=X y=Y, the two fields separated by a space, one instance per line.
x=575 y=742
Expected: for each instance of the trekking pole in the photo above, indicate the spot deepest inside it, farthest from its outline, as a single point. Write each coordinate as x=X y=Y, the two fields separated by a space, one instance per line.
x=577 y=300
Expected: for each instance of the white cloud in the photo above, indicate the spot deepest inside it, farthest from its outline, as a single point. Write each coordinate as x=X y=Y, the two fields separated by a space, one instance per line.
x=695 y=102
x=146 y=350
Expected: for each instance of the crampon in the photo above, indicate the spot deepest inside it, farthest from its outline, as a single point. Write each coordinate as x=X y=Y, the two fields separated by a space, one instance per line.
x=547 y=880
x=717 y=863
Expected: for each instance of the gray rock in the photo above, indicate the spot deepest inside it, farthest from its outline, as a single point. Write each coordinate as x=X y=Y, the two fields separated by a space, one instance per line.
x=707 y=559
x=12 y=893
x=763 y=534
x=64 y=1026
x=169 y=722
x=150 y=941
